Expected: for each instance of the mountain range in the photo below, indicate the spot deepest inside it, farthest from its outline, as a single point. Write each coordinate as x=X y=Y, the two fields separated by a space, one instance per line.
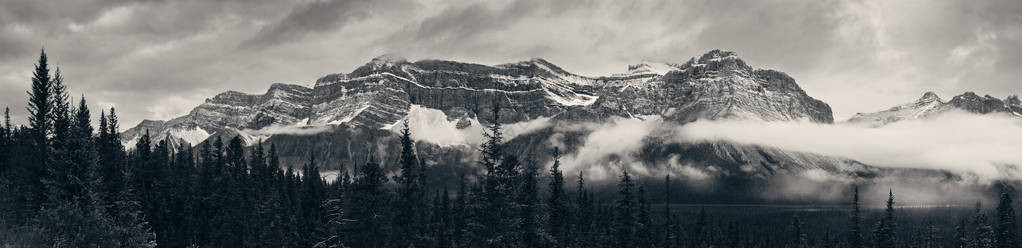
x=717 y=85
x=931 y=105
x=347 y=118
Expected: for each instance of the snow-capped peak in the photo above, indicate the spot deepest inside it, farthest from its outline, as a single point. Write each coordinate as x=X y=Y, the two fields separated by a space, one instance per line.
x=931 y=105
x=717 y=55
x=929 y=96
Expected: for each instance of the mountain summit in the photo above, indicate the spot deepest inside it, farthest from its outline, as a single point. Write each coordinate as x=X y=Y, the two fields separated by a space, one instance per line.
x=715 y=85
x=930 y=105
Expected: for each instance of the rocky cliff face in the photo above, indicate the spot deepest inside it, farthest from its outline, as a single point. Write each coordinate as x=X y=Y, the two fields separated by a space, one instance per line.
x=717 y=85
x=344 y=116
x=230 y=112
x=930 y=105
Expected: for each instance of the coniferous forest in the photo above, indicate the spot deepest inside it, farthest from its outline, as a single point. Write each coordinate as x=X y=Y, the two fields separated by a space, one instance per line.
x=67 y=183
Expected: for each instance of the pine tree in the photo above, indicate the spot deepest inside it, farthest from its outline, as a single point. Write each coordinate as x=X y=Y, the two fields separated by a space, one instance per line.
x=582 y=221
x=111 y=155
x=983 y=234
x=31 y=192
x=442 y=220
x=7 y=124
x=668 y=226
x=291 y=198
x=798 y=238
x=311 y=197
x=961 y=239
x=460 y=215
x=276 y=232
x=931 y=237
x=526 y=210
x=5 y=143
x=131 y=226
x=855 y=229
x=407 y=210
x=488 y=224
x=74 y=214
x=557 y=224
x=1007 y=232
x=884 y=232
x=204 y=194
x=699 y=231
x=228 y=202
x=644 y=221
x=368 y=199
x=335 y=220
x=624 y=212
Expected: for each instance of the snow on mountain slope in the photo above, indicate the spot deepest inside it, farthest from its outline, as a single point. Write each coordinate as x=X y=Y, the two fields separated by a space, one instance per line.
x=282 y=104
x=717 y=85
x=930 y=105
x=389 y=88
x=434 y=126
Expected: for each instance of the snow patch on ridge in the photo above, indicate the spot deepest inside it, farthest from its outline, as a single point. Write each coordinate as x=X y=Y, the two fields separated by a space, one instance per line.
x=434 y=126
x=574 y=99
x=192 y=136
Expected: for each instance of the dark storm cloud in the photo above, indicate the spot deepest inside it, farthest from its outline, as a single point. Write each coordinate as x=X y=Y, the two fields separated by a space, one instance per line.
x=13 y=44
x=318 y=16
x=158 y=59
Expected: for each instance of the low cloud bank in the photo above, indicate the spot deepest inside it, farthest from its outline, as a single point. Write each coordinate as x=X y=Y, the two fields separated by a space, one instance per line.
x=987 y=146
x=980 y=148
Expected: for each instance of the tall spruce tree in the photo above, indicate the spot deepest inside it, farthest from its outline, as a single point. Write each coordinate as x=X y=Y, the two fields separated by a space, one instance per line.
x=643 y=219
x=582 y=220
x=408 y=212
x=557 y=203
x=624 y=212
x=700 y=230
x=75 y=215
x=961 y=238
x=983 y=234
x=5 y=145
x=884 y=233
x=459 y=214
x=1007 y=231
x=111 y=155
x=311 y=197
x=442 y=221
x=335 y=220
x=668 y=227
x=798 y=238
x=855 y=225
x=489 y=223
x=367 y=208
x=30 y=189
x=526 y=206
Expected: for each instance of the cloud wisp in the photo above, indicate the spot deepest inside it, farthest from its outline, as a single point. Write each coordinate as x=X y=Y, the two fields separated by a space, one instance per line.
x=982 y=145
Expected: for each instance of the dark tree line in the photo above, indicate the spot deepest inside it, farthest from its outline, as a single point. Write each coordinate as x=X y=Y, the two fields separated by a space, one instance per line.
x=66 y=183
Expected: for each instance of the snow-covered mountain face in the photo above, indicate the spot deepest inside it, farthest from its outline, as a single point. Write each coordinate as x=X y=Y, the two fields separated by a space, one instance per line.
x=931 y=105
x=717 y=85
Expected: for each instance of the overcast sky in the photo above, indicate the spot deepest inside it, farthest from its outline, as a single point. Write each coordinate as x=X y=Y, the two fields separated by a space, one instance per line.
x=158 y=59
